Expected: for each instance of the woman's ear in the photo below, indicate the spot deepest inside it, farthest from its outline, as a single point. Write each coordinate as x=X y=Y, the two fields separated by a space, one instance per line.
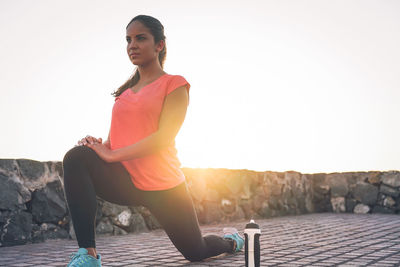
x=160 y=46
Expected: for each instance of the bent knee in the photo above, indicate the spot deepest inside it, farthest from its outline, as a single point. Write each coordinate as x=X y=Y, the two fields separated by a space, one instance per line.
x=194 y=257
x=76 y=152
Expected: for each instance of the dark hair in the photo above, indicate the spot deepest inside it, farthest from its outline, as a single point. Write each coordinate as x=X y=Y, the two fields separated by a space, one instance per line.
x=157 y=30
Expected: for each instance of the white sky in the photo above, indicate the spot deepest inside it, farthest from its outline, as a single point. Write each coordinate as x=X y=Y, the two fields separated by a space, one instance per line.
x=310 y=86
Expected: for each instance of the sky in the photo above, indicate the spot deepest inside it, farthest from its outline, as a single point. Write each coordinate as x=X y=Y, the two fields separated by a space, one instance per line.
x=309 y=86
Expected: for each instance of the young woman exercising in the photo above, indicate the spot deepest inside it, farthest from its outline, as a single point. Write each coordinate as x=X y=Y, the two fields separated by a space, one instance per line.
x=138 y=164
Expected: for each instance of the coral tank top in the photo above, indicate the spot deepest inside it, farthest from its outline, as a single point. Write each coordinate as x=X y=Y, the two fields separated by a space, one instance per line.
x=134 y=117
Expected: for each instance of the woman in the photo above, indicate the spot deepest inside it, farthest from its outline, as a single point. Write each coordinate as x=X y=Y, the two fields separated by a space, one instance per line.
x=137 y=164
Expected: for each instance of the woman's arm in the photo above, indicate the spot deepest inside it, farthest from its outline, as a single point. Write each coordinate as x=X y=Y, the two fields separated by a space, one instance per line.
x=171 y=119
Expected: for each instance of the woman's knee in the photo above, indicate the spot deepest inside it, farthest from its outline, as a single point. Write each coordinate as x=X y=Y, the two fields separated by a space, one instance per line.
x=76 y=153
x=193 y=257
x=74 y=158
x=194 y=252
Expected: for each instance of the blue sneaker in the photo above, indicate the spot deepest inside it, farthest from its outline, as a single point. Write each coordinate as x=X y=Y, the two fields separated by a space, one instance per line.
x=83 y=259
x=232 y=233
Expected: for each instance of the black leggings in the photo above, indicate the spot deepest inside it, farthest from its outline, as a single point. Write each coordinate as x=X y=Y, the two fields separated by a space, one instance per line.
x=87 y=175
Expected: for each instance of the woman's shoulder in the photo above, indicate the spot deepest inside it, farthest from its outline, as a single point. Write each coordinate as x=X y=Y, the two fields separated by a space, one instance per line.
x=175 y=76
x=175 y=81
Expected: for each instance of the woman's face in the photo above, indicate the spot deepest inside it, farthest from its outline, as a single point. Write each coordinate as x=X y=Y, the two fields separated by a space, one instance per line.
x=140 y=44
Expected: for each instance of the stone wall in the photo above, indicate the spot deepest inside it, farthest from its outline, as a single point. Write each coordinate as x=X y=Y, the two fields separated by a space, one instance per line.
x=33 y=207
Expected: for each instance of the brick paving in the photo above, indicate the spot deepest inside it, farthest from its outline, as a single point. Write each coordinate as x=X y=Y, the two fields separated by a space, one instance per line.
x=323 y=239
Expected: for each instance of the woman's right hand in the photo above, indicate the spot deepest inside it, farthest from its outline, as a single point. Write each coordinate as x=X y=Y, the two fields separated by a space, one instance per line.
x=89 y=139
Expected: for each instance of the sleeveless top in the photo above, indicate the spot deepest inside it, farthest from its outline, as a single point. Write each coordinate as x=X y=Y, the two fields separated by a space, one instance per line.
x=134 y=117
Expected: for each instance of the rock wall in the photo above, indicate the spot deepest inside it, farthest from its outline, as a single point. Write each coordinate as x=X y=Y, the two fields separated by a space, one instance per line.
x=33 y=207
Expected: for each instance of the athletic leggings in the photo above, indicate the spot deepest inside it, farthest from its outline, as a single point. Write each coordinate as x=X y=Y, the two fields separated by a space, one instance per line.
x=87 y=175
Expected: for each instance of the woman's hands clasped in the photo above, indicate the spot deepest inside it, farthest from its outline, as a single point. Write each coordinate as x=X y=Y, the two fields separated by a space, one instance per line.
x=96 y=144
x=89 y=140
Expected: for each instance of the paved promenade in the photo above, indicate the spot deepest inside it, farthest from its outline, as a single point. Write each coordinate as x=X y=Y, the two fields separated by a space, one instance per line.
x=324 y=239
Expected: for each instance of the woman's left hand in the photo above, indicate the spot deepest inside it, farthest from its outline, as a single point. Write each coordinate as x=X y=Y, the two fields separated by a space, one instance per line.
x=103 y=151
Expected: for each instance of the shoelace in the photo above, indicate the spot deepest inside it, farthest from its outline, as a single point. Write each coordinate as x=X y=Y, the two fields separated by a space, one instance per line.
x=73 y=256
